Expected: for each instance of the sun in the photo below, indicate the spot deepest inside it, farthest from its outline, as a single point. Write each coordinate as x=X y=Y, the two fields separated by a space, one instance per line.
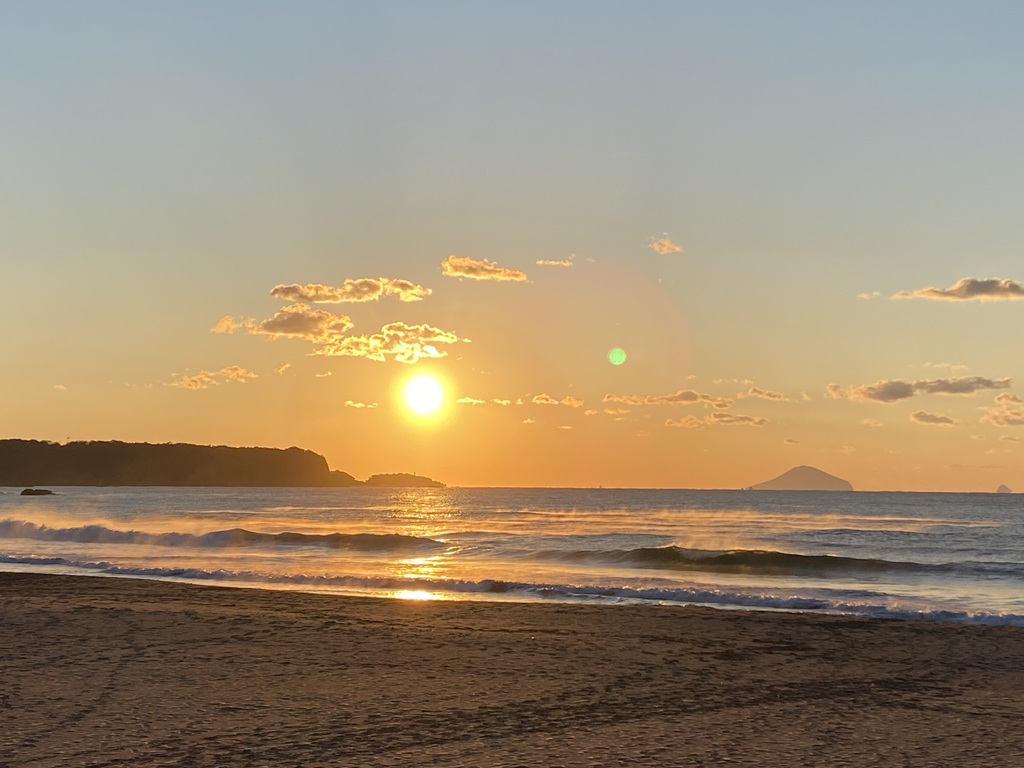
x=423 y=395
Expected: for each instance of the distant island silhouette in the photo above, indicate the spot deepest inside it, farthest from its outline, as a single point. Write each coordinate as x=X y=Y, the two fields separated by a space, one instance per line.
x=804 y=478
x=1003 y=489
x=38 y=462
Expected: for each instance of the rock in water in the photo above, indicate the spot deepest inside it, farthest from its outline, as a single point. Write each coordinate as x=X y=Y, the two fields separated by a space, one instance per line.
x=804 y=479
x=36 y=492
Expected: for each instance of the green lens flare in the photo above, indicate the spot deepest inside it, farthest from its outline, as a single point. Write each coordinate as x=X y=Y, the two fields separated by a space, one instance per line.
x=617 y=356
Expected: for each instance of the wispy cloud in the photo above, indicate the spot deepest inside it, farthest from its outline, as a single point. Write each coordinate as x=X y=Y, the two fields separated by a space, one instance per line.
x=207 y=379
x=396 y=341
x=717 y=418
x=969 y=289
x=764 y=394
x=1008 y=411
x=871 y=423
x=682 y=397
x=59 y=388
x=567 y=262
x=935 y=419
x=664 y=245
x=545 y=399
x=357 y=404
x=353 y=290
x=892 y=390
x=282 y=368
x=470 y=401
x=869 y=296
x=464 y=266
x=834 y=391
x=227 y=324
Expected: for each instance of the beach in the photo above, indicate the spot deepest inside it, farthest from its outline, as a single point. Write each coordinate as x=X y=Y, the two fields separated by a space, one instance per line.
x=101 y=671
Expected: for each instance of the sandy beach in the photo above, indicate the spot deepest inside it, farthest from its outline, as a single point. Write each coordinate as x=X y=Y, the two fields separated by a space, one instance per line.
x=118 y=672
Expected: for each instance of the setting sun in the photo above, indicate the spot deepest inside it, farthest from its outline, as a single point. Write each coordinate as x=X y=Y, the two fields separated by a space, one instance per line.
x=423 y=395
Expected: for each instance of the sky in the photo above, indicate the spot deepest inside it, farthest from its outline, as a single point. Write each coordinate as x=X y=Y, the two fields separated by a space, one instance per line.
x=656 y=244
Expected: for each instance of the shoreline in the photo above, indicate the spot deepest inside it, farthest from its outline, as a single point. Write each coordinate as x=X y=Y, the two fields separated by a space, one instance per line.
x=116 y=671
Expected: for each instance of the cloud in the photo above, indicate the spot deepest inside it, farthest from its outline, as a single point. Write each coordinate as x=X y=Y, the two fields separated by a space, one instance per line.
x=1007 y=412
x=735 y=419
x=686 y=422
x=529 y=421
x=500 y=401
x=1009 y=439
x=59 y=388
x=791 y=441
x=355 y=404
x=937 y=419
x=869 y=296
x=207 y=379
x=463 y=266
x=764 y=394
x=227 y=324
x=871 y=423
x=717 y=418
x=282 y=368
x=897 y=389
x=302 y=322
x=683 y=396
x=323 y=375
x=556 y=262
x=357 y=290
x=848 y=449
x=969 y=289
x=834 y=391
x=544 y=399
x=396 y=341
x=617 y=411
x=1008 y=397
x=469 y=401
x=664 y=245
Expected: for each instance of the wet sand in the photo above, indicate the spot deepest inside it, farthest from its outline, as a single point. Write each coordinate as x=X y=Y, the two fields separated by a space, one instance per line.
x=118 y=672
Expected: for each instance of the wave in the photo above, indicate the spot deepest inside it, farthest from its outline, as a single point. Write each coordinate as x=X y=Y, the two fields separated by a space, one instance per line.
x=235 y=537
x=750 y=561
x=840 y=603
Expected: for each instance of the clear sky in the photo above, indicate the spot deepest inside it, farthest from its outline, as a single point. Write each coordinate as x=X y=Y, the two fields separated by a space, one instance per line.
x=250 y=223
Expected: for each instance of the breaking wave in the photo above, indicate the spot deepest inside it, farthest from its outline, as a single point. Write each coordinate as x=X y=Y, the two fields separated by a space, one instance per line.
x=847 y=603
x=235 y=537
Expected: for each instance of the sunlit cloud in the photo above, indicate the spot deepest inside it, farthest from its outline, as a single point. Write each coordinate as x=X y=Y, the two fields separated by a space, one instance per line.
x=869 y=296
x=356 y=404
x=890 y=391
x=617 y=411
x=871 y=423
x=396 y=341
x=955 y=367
x=300 y=321
x=664 y=245
x=834 y=391
x=969 y=289
x=464 y=266
x=529 y=421
x=325 y=375
x=227 y=324
x=686 y=422
x=59 y=388
x=764 y=394
x=682 y=397
x=936 y=419
x=557 y=262
x=358 y=290
x=717 y=419
x=1007 y=412
x=282 y=368
x=545 y=399
x=500 y=401
x=591 y=412
x=207 y=379
x=470 y=401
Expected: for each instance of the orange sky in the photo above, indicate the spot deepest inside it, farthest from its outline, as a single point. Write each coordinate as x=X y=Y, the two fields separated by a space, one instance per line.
x=250 y=226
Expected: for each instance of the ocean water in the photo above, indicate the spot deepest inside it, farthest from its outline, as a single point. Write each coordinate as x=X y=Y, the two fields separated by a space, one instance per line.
x=937 y=556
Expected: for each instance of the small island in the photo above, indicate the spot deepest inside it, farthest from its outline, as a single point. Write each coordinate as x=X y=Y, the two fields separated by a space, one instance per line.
x=40 y=463
x=804 y=478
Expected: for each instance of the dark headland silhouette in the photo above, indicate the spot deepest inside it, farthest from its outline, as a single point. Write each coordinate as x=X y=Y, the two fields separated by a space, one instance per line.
x=36 y=462
x=804 y=479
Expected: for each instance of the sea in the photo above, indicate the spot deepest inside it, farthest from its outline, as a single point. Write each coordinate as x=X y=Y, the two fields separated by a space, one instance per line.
x=934 y=556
